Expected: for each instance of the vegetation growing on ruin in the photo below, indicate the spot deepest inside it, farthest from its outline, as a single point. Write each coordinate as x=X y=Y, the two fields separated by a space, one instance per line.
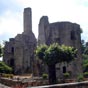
x=1 y=50
x=5 y=68
x=85 y=55
x=53 y=54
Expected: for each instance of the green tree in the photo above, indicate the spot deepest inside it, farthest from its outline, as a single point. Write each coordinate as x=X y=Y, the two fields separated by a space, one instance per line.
x=5 y=68
x=86 y=51
x=1 y=50
x=53 y=54
x=85 y=55
x=85 y=61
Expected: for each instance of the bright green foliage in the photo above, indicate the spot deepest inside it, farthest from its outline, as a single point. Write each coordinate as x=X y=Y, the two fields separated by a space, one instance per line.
x=85 y=74
x=52 y=54
x=5 y=68
x=69 y=53
x=66 y=75
x=55 y=53
x=40 y=52
x=7 y=75
x=45 y=76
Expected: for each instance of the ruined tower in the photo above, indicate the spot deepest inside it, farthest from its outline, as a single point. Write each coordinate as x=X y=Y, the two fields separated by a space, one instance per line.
x=66 y=33
x=43 y=26
x=19 y=51
x=27 y=16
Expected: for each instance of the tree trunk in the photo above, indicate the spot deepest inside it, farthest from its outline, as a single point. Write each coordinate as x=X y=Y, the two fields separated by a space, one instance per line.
x=52 y=74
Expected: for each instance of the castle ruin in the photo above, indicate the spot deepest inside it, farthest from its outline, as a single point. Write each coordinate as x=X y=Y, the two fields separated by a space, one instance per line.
x=19 y=51
x=63 y=33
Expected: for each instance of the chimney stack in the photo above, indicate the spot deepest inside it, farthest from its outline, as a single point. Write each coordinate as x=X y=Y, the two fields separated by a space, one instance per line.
x=27 y=21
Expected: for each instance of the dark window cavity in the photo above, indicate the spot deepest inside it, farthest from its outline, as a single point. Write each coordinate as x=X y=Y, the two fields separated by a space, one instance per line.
x=73 y=36
x=12 y=50
x=12 y=62
x=64 y=69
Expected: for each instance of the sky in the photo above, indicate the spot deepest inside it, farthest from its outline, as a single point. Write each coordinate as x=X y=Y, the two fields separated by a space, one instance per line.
x=11 y=15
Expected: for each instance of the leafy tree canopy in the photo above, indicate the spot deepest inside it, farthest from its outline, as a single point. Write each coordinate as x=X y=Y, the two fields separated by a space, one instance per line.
x=1 y=50
x=55 y=53
x=85 y=55
x=5 y=68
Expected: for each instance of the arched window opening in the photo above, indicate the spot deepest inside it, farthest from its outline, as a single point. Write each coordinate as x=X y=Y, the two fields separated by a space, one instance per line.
x=64 y=69
x=12 y=50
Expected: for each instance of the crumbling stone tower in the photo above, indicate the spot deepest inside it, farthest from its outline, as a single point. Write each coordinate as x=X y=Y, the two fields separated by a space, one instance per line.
x=27 y=21
x=19 y=51
x=66 y=33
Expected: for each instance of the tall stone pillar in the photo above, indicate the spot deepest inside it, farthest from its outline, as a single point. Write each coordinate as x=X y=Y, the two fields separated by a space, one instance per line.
x=27 y=21
x=43 y=28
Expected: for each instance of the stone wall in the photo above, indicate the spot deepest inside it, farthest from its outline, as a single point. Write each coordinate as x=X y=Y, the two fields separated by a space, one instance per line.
x=10 y=82
x=19 y=51
x=63 y=33
x=66 y=85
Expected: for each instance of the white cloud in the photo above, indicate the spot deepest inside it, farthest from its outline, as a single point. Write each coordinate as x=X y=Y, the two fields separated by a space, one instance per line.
x=10 y=23
x=57 y=10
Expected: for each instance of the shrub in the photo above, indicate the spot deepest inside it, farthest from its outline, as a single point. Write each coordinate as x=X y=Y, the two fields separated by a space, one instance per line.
x=45 y=76
x=80 y=78
x=7 y=75
x=85 y=74
x=5 y=68
x=66 y=75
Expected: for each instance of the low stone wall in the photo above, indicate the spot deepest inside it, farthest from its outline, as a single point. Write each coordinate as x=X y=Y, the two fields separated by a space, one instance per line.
x=67 y=85
x=27 y=82
x=9 y=82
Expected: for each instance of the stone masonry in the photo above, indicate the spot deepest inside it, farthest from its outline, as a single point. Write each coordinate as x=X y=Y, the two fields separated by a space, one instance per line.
x=65 y=33
x=19 y=51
